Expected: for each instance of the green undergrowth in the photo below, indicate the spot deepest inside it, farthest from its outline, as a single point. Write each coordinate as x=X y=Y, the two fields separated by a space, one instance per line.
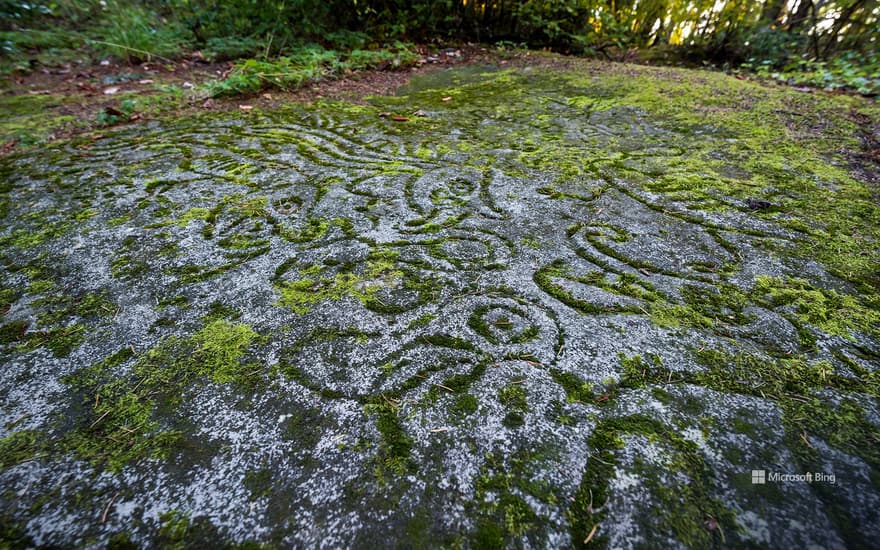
x=305 y=66
x=849 y=71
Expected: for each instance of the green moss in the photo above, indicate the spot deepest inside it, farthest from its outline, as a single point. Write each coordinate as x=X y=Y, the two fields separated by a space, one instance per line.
x=8 y=296
x=31 y=238
x=174 y=528
x=305 y=427
x=421 y=321
x=634 y=369
x=835 y=313
x=62 y=341
x=489 y=536
x=503 y=515
x=478 y=324
x=123 y=411
x=576 y=389
x=259 y=482
x=61 y=318
x=121 y=541
x=218 y=310
x=191 y=273
x=544 y=276
x=119 y=426
x=20 y=446
x=683 y=509
x=219 y=347
x=127 y=266
x=314 y=287
x=179 y=301
x=395 y=445
x=661 y=395
x=31 y=118
x=313 y=230
x=464 y=404
x=13 y=332
x=447 y=341
x=13 y=534
x=513 y=396
x=709 y=308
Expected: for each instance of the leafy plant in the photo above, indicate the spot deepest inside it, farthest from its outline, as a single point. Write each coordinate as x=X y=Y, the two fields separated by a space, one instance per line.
x=305 y=65
x=113 y=115
x=130 y=34
x=845 y=72
x=221 y=49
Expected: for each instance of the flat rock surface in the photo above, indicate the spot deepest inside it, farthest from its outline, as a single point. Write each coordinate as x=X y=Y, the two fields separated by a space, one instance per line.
x=531 y=308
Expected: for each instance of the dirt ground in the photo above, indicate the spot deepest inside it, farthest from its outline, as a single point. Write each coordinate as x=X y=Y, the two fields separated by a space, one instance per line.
x=83 y=92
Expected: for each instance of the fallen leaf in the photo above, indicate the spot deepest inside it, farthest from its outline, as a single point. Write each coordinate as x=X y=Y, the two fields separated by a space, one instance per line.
x=134 y=117
x=447 y=98
x=110 y=91
x=6 y=147
x=399 y=118
x=384 y=115
x=420 y=113
x=114 y=111
x=245 y=107
x=739 y=77
x=39 y=92
x=97 y=136
x=208 y=104
x=267 y=96
x=145 y=81
x=187 y=85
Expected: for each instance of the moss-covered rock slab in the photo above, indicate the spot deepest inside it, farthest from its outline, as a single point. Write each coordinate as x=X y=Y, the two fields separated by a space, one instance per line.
x=503 y=308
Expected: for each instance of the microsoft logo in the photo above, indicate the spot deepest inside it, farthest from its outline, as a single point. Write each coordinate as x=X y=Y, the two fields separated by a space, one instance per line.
x=758 y=477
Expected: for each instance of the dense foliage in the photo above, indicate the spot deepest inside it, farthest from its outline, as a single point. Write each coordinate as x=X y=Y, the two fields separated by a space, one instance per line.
x=773 y=36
